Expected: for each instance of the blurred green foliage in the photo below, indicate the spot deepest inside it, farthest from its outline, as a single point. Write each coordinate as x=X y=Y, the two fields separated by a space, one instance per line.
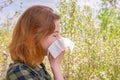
x=97 y=41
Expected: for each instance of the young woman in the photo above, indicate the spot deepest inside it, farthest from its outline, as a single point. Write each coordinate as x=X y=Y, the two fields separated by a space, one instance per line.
x=37 y=28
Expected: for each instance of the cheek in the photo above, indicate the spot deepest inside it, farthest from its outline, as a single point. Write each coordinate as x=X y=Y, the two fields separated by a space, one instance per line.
x=47 y=42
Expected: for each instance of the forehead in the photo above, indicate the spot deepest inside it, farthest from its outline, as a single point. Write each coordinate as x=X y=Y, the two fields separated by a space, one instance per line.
x=57 y=25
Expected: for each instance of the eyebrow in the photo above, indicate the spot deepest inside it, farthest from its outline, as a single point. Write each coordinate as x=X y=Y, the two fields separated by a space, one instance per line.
x=56 y=31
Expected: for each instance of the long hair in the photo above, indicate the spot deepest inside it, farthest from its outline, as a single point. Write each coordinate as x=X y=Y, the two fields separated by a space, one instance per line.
x=36 y=23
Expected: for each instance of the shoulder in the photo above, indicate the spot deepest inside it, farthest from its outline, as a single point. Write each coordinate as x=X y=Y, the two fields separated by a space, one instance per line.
x=19 y=71
x=16 y=67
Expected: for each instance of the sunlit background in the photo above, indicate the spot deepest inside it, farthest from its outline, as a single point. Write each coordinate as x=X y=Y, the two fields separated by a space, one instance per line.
x=93 y=25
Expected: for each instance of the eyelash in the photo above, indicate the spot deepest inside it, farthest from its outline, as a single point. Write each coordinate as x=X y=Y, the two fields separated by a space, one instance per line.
x=54 y=36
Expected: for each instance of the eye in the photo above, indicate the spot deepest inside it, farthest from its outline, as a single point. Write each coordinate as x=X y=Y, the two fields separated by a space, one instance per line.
x=54 y=35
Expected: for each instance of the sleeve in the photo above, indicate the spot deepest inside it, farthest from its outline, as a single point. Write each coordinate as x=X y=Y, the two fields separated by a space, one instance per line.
x=20 y=74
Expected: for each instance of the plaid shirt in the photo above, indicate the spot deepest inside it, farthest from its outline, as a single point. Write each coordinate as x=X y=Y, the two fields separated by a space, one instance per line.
x=19 y=71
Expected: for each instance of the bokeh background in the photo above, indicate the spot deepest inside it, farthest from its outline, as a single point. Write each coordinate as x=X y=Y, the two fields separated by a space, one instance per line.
x=93 y=25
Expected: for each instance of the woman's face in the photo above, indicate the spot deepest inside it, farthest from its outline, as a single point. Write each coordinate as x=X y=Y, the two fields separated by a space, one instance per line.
x=51 y=38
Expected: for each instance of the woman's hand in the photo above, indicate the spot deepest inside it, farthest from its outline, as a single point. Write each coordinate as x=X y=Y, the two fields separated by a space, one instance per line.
x=55 y=66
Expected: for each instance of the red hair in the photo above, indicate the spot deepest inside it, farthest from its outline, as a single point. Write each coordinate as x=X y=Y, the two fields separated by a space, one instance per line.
x=36 y=23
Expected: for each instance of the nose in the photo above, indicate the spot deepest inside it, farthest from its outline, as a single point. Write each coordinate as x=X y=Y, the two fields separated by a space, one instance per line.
x=59 y=37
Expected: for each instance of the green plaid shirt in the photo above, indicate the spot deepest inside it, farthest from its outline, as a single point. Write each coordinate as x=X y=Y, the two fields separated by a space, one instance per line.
x=20 y=71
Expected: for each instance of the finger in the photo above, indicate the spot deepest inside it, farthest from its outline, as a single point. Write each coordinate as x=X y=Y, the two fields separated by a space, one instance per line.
x=61 y=54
